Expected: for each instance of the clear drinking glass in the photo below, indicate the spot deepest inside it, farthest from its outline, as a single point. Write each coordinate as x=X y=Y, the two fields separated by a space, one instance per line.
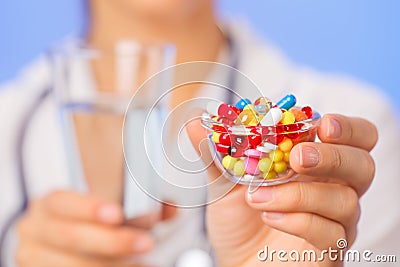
x=93 y=89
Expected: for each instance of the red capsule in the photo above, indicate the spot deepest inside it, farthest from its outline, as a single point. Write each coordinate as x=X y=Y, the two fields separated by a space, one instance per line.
x=263 y=130
x=308 y=111
x=225 y=121
x=275 y=139
x=219 y=129
x=280 y=128
x=236 y=151
x=228 y=111
x=293 y=127
x=225 y=139
x=240 y=141
x=293 y=135
x=223 y=149
x=254 y=140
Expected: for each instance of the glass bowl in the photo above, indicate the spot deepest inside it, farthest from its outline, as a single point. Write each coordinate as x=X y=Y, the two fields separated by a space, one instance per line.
x=257 y=155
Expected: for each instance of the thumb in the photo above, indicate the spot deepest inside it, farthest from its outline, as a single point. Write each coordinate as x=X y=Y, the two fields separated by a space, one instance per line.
x=199 y=137
x=218 y=186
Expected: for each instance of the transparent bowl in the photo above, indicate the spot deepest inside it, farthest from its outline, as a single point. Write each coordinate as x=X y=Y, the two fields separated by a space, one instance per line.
x=257 y=155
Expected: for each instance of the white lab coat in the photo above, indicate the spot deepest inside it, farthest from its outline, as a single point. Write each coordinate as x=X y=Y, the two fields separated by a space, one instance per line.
x=275 y=75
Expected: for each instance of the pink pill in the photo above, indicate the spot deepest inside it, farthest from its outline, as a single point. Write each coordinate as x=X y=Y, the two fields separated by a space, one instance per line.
x=251 y=166
x=253 y=153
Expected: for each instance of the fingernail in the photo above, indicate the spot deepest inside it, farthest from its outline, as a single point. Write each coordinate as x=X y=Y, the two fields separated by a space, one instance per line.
x=334 y=130
x=272 y=215
x=109 y=213
x=309 y=157
x=143 y=244
x=262 y=195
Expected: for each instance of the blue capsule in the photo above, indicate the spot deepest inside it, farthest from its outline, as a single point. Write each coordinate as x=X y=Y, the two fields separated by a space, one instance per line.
x=242 y=103
x=287 y=102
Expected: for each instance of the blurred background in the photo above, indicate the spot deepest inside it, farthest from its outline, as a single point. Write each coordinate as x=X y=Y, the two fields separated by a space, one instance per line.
x=358 y=37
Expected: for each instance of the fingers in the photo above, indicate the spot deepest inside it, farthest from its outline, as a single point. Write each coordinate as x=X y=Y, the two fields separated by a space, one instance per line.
x=350 y=165
x=97 y=240
x=45 y=257
x=198 y=137
x=318 y=231
x=146 y=221
x=86 y=238
x=339 y=129
x=332 y=201
x=73 y=205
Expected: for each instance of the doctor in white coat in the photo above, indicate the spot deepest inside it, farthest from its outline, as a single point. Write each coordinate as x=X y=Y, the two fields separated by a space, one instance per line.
x=64 y=228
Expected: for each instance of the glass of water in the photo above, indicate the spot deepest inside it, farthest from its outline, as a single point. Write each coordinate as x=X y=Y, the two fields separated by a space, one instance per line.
x=93 y=89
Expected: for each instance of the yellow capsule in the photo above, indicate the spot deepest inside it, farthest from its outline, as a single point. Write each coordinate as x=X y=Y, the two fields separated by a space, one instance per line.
x=229 y=162
x=215 y=137
x=286 y=156
x=265 y=164
x=276 y=155
x=286 y=145
x=238 y=169
x=269 y=175
x=215 y=118
x=247 y=117
x=288 y=118
x=280 y=166
x=249 y=107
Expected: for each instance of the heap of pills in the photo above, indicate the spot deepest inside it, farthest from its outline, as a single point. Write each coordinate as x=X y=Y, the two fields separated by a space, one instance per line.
x=255 y=139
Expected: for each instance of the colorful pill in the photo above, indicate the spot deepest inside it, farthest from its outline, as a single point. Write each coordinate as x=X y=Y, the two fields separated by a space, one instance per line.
x=247 y=117
x=238 y=168
x=224 y=139
x=287 y=102
x=286 y=156
x=240 y=130
x=215 y=137
x=240 y=140
x=251 y=166
x=249 y=107
x=276 y=155
x=280 y=166
x=308 y=111
x=263 y=101
x=275 y=139
x=236 y=151
x=253 y=153
x=229 y=162
x=298 y=114
x=273 y=117
x=265 y=164
x=225 y=121
x=269 y=175
x=228 y=111
x=288 y=118
x=254 y=140
x=267 y=147
x=242 y=103
x=222 y=148
x=219 y=128
x=286 y=145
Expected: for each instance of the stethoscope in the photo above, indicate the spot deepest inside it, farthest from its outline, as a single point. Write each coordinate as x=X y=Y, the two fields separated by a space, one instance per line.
x=32 y=111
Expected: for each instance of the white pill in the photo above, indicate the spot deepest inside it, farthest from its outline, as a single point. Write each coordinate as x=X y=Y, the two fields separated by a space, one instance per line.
x=240 y=130
x=273 y=117
x=267 y=147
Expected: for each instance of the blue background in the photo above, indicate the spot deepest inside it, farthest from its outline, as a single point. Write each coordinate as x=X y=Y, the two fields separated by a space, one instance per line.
x=356 y=37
